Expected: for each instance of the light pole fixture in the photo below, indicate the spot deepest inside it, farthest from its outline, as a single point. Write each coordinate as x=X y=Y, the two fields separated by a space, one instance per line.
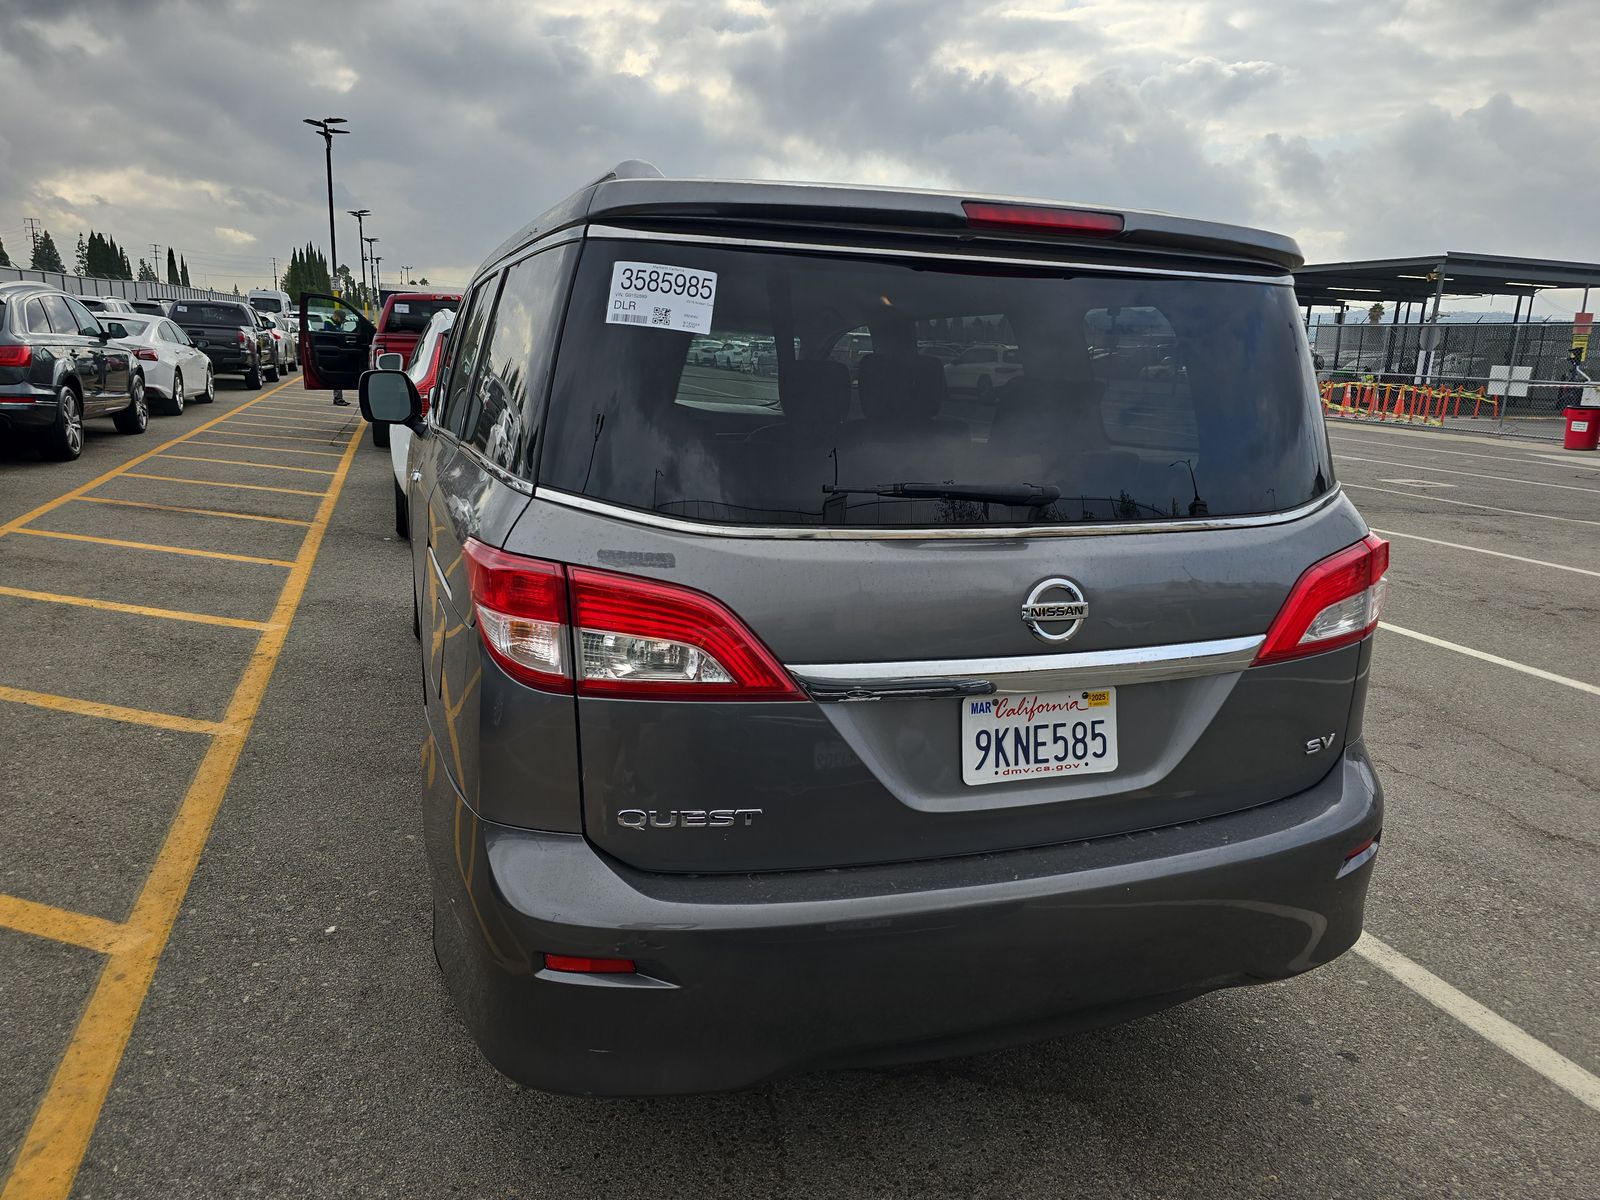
x=405 y=276
x=325 y=126
x=377 y=269
x=370 y=243
x=359 y=214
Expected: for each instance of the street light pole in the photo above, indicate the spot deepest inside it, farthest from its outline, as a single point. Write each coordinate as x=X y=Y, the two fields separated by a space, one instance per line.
x=324 y=126
x=361 y=248
x=404 y=275
x=377 y=268
x=371 y=242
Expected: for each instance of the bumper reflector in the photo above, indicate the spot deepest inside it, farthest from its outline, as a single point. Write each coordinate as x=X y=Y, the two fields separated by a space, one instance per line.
x=588 y=966
x=1359 y=857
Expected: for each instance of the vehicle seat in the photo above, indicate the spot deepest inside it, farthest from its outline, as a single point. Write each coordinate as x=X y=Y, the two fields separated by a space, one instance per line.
x=815 y=397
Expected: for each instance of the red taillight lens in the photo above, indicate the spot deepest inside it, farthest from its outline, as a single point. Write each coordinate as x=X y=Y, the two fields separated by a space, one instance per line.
x=636 y=637
x=522 y=615
x=15 y=356
x=146 y=355
x=1041 y=218
x=1336 y=602
x=589 y=966
x=244 y=338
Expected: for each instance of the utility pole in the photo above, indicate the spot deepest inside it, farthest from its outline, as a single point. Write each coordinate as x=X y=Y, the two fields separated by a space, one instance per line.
x=325 y=128
x=33 y=233
x=274 y=272
x=361 y=241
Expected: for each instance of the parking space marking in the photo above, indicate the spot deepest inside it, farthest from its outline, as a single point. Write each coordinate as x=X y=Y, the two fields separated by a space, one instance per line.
x=61 y=925
x=50 y=1155
x=239 y=462
x=1499 y=458
x=1515 y=512
x=137 y=610
x=279 y=437
x=199 y=512
x=1536 y=672
x=1486 y=1023
x=274 y=449
x=155 y=546
x=110 y=712
x=1532 y=562
x=249 y=487
x=297 y=426
x=1544 y=483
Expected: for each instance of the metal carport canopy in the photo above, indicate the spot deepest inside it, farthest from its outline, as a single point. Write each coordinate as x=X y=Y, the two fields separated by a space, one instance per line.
x=1403 y=279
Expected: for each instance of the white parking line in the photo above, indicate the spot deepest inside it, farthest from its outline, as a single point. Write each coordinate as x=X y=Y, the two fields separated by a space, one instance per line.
x=1513 y=1039
x=1515 y=512
x=1566 y=487
x=1534 y=459
x=1532 y=562
x=1536 y=672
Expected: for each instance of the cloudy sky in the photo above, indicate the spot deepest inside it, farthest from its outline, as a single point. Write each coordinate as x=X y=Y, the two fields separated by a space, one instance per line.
x=1362 y=127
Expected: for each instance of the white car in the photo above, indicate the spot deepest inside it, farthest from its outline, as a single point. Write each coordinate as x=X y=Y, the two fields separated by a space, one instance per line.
x=290 y=327
x=175 y=370
x=424 y=372
x=106 y=304
x=982 y=368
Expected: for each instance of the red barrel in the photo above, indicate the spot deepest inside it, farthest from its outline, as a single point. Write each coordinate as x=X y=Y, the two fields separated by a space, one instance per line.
x=1583 y=429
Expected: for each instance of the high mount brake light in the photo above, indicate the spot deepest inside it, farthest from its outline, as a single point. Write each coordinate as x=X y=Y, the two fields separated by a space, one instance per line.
x=1041 y=218
x=636 y=637
x=1336 y=602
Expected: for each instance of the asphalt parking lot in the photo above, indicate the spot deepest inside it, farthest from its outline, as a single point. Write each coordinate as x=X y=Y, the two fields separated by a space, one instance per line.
x=215 y=971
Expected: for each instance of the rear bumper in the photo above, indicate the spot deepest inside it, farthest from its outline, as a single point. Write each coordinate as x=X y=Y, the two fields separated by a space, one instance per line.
x=230 y=360
x=746 y=977
x=24 y=407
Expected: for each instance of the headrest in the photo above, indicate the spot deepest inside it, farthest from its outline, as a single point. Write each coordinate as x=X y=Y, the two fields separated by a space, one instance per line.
x=899 y=387
x=815 y=392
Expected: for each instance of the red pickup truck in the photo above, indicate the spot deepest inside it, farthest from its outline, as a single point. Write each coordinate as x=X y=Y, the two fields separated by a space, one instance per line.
x=405 y=315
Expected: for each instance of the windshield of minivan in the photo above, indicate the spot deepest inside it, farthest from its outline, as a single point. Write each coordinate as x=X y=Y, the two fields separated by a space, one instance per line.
x=931 y=393
x=411 y=314
x=266 y=304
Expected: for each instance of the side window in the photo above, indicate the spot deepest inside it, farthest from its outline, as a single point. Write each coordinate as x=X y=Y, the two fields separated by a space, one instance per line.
x=61 y=318
x=503 y=411
x=88 y=326
x=462 y=354
x=34 y=316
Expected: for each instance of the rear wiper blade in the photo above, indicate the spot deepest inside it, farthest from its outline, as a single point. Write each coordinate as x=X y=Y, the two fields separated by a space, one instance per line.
x=1030 y=495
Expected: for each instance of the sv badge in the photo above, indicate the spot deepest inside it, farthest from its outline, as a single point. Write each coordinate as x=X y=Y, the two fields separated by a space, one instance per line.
x=1318 y=744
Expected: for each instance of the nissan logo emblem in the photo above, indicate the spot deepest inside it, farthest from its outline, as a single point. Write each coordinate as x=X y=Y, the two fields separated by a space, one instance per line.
x=1054 y=609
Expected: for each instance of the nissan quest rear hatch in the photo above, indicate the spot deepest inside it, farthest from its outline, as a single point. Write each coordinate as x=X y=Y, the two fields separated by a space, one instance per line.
x=774 y=705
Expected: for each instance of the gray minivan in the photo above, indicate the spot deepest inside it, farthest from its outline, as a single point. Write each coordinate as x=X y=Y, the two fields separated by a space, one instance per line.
x=838 y=716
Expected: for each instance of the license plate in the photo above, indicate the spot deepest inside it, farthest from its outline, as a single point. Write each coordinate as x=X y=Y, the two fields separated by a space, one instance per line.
x=1007 y=738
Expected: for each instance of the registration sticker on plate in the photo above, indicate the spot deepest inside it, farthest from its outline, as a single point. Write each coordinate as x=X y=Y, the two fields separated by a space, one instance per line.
x=1007 y=738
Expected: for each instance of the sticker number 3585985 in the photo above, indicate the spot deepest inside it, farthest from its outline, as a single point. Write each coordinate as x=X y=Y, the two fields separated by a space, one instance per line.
x=658 y=296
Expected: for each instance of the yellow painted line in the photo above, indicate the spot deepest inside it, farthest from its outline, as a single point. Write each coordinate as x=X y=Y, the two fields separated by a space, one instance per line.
x=292 y=426
x=199 y=512
x=190 y=551
x=239 y=462
x=281 y=437
x=249 y=487
x=83 y=488
x=61 y=925
x=273 y=449
x=136 y=610
x=110 y=712
x=48 y=1160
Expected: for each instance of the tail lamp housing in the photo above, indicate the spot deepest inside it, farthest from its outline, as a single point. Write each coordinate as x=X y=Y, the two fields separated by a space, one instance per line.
x=146 y=355
x=1336 y=602
x=575 y=630
x=19 y=355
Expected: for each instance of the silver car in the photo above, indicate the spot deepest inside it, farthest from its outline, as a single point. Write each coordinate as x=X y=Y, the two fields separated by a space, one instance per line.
x=837 y=717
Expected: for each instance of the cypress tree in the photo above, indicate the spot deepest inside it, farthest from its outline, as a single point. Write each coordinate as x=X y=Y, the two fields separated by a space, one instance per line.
x=183 y=272
x=81 y=261
x=172 y=267
x=5 y=259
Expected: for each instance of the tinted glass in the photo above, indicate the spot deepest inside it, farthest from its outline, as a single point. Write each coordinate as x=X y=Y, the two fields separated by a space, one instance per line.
x=516 y=361
x=192 y=312
x=135 y=327
x=61 y=318
x=88 y=325
x=411 y=314
x=33 y=317
x=462 y=353
x=934 y=394
x=266 y=304
x=94 y=304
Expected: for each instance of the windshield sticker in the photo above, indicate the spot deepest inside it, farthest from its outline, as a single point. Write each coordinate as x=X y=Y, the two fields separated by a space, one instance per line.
x=661 y=297
x=405 y=308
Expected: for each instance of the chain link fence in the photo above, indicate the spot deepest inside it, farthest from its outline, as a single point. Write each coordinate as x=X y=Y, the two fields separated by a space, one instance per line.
x=1454 y=364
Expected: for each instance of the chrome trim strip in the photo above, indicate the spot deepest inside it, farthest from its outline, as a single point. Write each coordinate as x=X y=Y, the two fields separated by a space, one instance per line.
x=689 y=237
x=637 y=516
x=1025 y=673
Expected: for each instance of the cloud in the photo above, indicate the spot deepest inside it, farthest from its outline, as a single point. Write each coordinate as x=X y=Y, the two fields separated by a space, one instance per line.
x=1364 y=127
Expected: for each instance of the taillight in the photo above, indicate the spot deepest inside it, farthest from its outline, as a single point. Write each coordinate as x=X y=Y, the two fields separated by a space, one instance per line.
x=16 y=356
x=635 y=637
x=522 y=615
x=146 y=355
x=1041 y=218
x=1336 y=602
x=639 y=637
x=244 y=338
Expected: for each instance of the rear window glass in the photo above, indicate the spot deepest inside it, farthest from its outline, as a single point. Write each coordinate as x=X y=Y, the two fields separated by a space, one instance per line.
x=411 y=315
x=930 y=394
x=266 y=304
x=191 y=313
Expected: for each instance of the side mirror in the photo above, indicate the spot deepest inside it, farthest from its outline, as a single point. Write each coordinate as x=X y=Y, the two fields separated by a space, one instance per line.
x=113 y=329
x=389 y=398
x=391 y=361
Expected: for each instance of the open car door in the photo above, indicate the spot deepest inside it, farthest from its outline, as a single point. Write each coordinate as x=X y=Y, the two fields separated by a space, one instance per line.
x=334 y=342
